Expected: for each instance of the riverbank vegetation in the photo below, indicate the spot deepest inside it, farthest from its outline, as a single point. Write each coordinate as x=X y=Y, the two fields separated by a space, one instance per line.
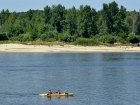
x=82 y=26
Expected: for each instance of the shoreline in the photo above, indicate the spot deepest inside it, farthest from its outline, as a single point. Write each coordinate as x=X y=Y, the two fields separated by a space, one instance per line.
x=20 y=48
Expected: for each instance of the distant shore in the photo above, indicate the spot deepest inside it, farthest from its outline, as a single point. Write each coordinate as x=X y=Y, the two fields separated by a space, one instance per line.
x=65 y=48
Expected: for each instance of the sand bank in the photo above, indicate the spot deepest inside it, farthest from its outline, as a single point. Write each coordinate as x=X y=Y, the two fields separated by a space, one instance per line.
x=65 y=48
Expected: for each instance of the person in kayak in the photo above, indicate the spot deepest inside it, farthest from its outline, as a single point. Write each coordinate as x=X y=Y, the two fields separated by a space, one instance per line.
x=49 y=92
x=58 y=92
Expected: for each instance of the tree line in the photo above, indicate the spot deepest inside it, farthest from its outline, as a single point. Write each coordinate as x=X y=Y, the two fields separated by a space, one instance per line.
x=85 y=25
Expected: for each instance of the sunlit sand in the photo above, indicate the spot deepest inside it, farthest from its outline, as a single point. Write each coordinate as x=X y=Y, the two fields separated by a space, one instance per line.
x=65 y=48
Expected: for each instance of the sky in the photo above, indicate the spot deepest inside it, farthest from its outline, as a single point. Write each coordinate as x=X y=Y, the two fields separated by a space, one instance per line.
x=25 y=5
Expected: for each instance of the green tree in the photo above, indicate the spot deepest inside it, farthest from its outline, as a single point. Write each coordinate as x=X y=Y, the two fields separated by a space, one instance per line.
x=71 y=21
x=4 y=16
x=12 y=18
x=29 y=14
x=21 y=20
x=133 y=22
x=7 y=13
x=86 y=21
x=47 y=14
x=111 y=17
x=101 y=24
x=18 y=30
x=10 y=30
x=58 y=17
x=122 y=27
x=38 y=22
x=106 y=17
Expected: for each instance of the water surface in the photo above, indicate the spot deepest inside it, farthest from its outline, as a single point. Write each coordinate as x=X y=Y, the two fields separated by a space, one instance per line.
x=95 y=78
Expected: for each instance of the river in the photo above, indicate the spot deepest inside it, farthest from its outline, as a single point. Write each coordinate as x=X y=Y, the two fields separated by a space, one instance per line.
x=95 y=78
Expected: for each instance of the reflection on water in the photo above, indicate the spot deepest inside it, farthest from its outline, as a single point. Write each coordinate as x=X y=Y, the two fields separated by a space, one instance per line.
x=59 y=97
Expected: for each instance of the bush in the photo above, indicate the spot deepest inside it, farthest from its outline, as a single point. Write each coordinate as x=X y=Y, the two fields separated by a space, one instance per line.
x=26 y=37
x=52 y=34
x=3 y=36
x=59 y=37
x=108 y=39
x=73 y=38
x=87 y=42
x=43 y=37
x=50 y=40
x=123 y=35
x=132 y=38
x=33 y=35
x=22 y=37
x=66 y=37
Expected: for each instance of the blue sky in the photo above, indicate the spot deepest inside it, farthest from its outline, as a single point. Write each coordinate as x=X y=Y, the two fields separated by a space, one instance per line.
x=25 y=5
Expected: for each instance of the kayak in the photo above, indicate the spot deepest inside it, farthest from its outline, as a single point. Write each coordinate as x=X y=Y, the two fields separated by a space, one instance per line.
x=56 y=94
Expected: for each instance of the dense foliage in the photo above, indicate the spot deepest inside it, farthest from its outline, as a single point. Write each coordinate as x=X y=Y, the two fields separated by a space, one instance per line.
x=85 y=26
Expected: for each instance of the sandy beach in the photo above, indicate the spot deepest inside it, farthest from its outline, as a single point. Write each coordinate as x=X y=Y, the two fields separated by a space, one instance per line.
x=64 y=49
